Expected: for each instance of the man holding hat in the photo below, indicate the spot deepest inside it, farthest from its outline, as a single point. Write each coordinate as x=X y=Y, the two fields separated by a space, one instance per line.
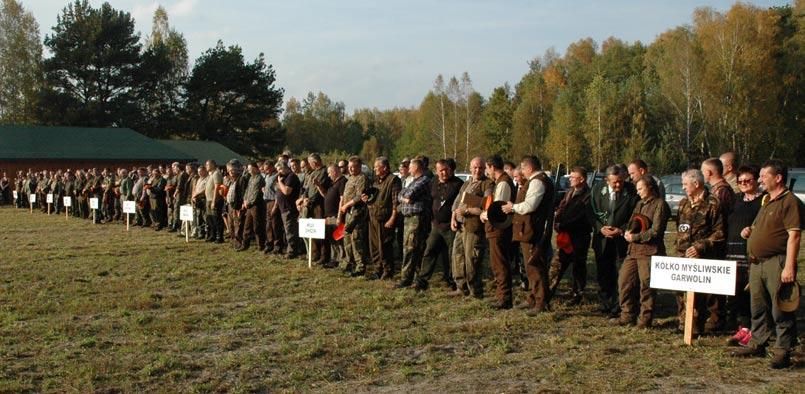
x=573 y=236
x=773 y=246
x=498 y=228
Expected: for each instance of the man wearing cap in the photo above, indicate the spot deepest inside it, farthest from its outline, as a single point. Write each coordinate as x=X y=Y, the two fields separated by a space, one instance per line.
x=611 y=207
x=469 y=244
x=571 y=220
x=773 y=246
x=354 y=214
x=532 y=228
x=382 y=203
x=646 y=239
x=498 y=229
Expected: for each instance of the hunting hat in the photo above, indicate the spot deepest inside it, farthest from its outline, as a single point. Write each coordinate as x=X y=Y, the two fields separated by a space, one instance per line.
x=495 y=213
x=639 y=223
x=563 y=242
x=788 y=297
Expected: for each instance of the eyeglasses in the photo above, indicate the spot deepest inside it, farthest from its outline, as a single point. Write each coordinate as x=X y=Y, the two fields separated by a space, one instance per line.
x=745 y=181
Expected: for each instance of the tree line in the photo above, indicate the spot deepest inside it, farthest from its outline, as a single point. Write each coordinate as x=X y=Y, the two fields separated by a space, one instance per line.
x=730 y=80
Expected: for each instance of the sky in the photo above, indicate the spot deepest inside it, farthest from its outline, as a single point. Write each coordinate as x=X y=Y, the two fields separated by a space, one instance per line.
x=387 y=53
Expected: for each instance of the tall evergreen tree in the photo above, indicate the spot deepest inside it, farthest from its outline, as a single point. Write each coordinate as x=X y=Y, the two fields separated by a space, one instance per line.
x=93 y=67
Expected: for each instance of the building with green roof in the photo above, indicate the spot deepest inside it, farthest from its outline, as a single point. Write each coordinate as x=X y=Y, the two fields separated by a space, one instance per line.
x=48 y=147
x=202 y=151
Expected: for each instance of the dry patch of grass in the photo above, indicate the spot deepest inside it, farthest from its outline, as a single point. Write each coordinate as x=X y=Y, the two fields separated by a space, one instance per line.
x=93 y=308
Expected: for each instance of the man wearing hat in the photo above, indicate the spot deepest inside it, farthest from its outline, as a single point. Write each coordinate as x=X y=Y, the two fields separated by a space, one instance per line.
x=498 y=229
x=773 y=245
x=573 y=236
x=646 y=238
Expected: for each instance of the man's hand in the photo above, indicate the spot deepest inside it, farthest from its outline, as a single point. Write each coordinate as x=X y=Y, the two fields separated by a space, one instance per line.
x=364 y=198
x=628 y=236
x=692 y=253
x=508 y=207
x=453 y=224
x=484 y=217
x=389 y=223
x=746 y=232
x=789 y=274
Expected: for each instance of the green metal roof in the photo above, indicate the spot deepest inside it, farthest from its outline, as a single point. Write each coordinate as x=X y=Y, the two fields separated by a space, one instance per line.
x=82 y=143
x=204 y=150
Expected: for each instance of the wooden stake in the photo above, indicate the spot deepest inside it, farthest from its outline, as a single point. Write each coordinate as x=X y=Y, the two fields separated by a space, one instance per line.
x=49 y=208
x=128 y=216
x=309 y=253
x=689 y=308
x=186 y=231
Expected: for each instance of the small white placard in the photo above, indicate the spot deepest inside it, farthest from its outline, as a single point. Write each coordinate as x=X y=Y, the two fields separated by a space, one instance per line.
x=32 y=198
x=311 y=228
x=68 y=201
x=49 y=198
x=186 y=213
x=93 y=203
x=16 y=195
x=698 y=275
x=129 y=207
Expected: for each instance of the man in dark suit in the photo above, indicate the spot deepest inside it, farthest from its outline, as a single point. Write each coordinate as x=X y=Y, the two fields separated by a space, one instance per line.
x=611 y=206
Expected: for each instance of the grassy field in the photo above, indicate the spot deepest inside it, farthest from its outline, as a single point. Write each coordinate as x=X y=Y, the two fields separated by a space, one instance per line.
x=92 y=308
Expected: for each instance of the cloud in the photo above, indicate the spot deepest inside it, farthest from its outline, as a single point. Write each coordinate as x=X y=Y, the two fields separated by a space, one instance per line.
x=182 y=7
x=144 y=12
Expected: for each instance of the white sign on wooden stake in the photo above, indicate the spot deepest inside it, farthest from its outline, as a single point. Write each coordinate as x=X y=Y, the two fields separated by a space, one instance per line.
x=129 y=207
x=49 y=198
x=93 y=203
x=698 y=275
x=186 y=213
x=68 y=201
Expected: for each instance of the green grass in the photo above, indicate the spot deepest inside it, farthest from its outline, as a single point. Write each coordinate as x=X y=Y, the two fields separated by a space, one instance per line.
x=93 y=308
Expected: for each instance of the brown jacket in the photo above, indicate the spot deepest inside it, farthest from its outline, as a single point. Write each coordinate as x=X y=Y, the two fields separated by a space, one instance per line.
x=652 y=241
x=701 y=226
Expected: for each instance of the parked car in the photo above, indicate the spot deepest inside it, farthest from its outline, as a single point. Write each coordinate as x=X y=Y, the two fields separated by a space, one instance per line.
x=673 y=194
x=797 y=177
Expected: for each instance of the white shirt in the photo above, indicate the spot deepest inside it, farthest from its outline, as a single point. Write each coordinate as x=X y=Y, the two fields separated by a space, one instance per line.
x=533 y=197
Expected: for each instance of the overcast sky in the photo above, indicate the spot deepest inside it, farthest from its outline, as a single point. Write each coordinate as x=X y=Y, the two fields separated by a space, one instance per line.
x=386 y=53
